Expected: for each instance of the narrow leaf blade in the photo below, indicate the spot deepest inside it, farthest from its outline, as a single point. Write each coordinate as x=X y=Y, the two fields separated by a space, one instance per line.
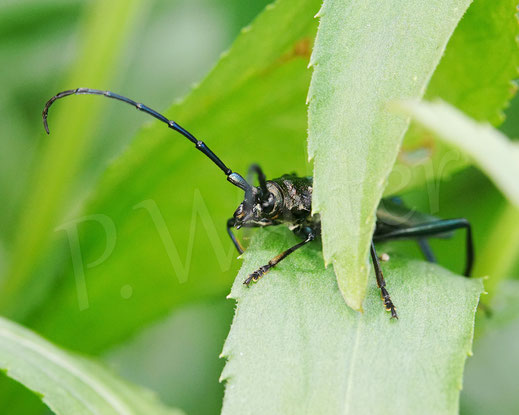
x=69 y=384
x=63 y=155
x=295 y=347
x=475 y=75
x=480 y=61
x=490 y=149
x=366 y=54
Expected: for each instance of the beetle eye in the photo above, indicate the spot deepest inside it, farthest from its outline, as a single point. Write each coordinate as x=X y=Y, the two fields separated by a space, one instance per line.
x=239 y=214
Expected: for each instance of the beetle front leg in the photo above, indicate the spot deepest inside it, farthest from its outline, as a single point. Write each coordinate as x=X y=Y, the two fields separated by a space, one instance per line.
x=256 y=275
x=235 y=241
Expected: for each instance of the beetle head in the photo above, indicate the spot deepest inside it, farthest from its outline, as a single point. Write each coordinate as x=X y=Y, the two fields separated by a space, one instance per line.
x=257 y=208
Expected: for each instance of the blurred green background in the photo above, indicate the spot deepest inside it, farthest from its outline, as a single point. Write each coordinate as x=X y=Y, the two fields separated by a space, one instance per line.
x=162 y=48
x=169 y=46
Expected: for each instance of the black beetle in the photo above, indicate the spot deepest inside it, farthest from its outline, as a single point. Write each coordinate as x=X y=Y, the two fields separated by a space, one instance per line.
x=288 y=200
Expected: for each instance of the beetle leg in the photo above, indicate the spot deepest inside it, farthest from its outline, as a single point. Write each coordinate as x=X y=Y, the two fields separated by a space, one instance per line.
x=382 y=283
x=436 y=228
x=256 y=275
x=235 y=241
x=426 y=250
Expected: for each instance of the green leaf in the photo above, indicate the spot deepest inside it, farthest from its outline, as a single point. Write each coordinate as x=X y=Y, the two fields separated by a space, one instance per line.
x=490 y=381
x=366 y=54
x=62 y=156
x=69 y=384
x=499 y=251
x=169 y=204
x=295 y=347
x=178 y=356
x=480 y=62
x=487 y=147
x=475 y=75
x=496 y=156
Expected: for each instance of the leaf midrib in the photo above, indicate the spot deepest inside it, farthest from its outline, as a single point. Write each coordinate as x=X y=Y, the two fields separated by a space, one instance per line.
x=349 y=375
x=99 y=388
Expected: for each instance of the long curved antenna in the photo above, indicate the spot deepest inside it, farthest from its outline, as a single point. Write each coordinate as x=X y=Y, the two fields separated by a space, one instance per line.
x=266 y=197
x=256 y=169
x=234 y=178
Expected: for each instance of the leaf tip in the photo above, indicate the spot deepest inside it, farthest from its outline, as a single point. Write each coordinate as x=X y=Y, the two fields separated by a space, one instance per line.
x=354 y=301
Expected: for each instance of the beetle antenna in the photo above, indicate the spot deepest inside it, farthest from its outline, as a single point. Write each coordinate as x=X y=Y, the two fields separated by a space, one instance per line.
x=234 y=178
x=256 y=169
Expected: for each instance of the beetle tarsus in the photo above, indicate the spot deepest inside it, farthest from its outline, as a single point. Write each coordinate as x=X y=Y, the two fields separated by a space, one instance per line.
x=384 y=294
x=388 y=304
x=256 y=275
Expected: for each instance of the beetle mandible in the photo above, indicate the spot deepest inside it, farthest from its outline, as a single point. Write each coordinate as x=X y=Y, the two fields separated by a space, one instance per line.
x=288 y=200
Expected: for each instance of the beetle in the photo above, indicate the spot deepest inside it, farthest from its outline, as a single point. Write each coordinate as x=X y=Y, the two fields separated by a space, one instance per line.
x=287 y=200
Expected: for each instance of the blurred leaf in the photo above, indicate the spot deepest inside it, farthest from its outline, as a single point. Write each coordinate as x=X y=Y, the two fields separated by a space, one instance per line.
x=21 y=20
x=63 y=155
x=178 y=356
x=468 y=194
x=17 y=399
x=475 y=75
x=500 y=249
x=295 y=347
x=510 y=126
x=490 y=381
x=504 y=309
x=69 y=384
x=487 y=147
x=33 y=34
x=250 y=108
x=365 y=57
x=480 y=61
x=498 y=157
